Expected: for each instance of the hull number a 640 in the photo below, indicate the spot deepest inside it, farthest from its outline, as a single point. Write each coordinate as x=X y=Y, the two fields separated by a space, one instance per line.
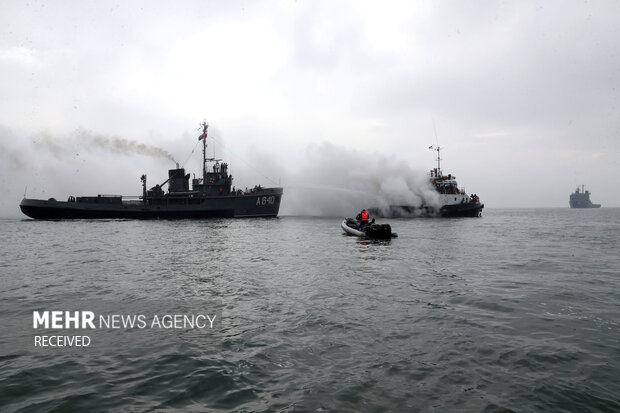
x=265 y=200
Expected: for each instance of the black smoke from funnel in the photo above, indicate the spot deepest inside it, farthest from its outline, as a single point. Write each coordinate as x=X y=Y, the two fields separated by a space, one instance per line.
x=121 y=145
x=55 y=165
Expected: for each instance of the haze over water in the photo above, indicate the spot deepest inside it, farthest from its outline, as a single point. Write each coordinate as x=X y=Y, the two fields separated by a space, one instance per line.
x=514 y=311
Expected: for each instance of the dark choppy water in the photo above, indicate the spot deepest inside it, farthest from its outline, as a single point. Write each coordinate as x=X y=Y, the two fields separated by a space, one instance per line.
x=518 y=310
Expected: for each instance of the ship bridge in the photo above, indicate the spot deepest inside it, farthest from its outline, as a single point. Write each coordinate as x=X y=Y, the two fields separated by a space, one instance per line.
x=215 y=181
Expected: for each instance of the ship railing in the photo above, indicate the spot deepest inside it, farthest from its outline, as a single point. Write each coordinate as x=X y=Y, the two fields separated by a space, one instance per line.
x=132 y=199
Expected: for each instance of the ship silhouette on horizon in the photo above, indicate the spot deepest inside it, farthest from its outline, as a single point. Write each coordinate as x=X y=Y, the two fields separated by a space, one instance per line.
x=581 y=199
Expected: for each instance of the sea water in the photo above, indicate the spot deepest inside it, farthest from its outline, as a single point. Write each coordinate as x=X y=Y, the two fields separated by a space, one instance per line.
x=518 y=310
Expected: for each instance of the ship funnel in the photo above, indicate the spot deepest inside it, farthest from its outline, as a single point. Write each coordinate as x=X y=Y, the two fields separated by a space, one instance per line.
x=177 y=180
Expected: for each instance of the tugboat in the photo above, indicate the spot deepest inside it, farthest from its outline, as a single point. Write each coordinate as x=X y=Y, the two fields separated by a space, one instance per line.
x=453 y=201
x=210 y=197
x=581 y=199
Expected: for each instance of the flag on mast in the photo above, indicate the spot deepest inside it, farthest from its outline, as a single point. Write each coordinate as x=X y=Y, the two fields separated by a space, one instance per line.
x=205 y=126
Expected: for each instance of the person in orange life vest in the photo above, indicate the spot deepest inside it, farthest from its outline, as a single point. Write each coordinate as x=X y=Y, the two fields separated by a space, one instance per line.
x=362 y=217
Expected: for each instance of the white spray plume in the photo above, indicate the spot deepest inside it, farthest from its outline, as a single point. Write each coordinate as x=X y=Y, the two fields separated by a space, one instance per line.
x=337 y=181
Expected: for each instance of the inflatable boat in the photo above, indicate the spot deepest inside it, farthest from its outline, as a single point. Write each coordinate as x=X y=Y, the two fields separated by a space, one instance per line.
x=371 y=230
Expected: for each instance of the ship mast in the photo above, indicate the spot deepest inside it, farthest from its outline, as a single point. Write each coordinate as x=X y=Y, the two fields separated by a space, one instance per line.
x=437 y=148
x=205 y=126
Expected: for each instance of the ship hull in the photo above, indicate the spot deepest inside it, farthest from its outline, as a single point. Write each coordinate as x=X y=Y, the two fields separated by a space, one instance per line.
x=264 y=204
x=469 y=209
x=583 y=204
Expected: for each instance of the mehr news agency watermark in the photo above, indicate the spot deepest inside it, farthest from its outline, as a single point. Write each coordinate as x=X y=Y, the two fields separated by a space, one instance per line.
x=109 y=327
x=85 y=320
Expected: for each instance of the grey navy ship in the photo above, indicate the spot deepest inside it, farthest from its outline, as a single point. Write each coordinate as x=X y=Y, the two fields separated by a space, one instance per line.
x=453 y=201
x=581 y=199
x=209 y=197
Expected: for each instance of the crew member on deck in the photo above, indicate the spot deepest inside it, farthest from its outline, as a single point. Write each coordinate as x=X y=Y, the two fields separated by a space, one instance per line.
x=362 y=217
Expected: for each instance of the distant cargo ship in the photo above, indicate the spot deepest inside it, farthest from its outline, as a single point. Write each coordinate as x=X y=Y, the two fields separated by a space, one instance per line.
x=581 y=199
x=210 y=196
x=453 y=201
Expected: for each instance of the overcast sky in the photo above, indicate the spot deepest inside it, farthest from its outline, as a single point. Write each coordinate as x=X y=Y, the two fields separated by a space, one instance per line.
x=524 y=97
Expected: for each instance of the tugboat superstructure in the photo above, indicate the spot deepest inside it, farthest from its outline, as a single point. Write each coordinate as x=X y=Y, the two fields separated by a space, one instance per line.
x=209 y=196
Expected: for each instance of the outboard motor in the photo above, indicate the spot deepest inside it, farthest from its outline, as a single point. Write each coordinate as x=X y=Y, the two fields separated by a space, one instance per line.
x=378 y=231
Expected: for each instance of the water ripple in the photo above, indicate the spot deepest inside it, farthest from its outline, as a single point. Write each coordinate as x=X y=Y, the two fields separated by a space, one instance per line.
x=516 y=311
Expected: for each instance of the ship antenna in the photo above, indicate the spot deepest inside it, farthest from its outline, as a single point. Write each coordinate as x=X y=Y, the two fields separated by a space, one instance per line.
x=437 y=149
x=435 y=129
